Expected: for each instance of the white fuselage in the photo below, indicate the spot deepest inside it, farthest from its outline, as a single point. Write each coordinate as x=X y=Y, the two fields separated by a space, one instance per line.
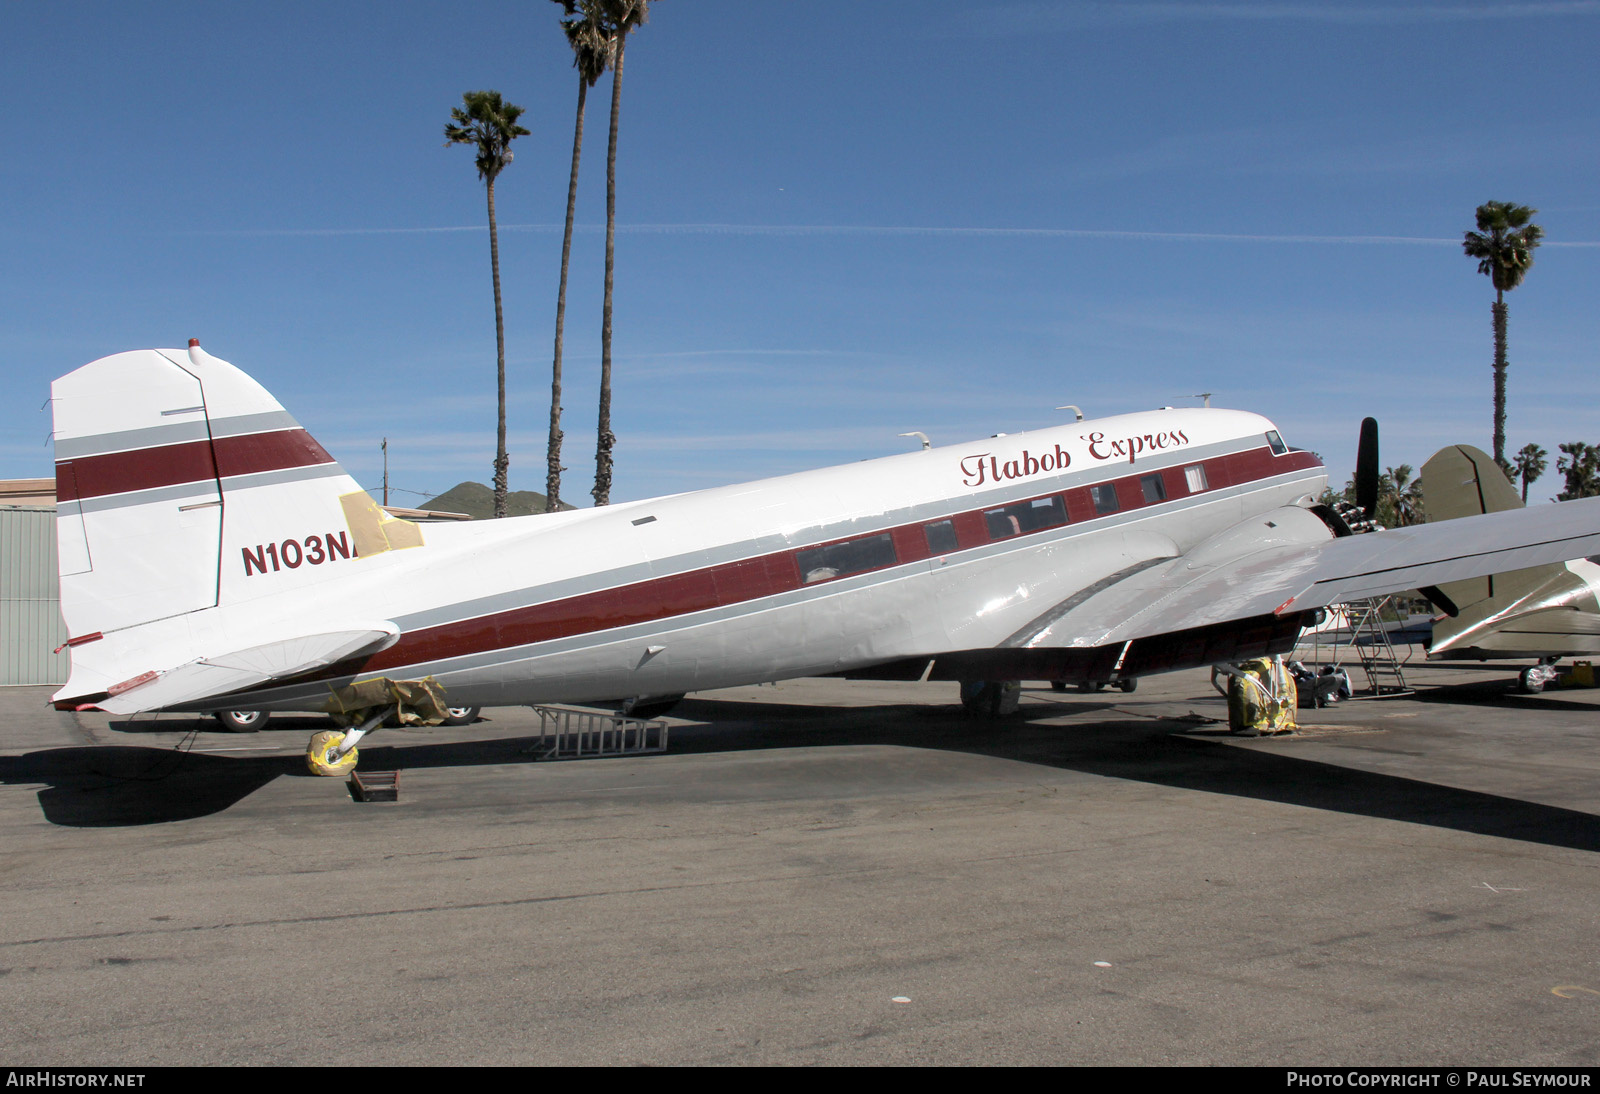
x=951 y=548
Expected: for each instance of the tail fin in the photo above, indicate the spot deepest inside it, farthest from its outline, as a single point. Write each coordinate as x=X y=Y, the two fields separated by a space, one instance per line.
x=182 y=484
x=1462 y=481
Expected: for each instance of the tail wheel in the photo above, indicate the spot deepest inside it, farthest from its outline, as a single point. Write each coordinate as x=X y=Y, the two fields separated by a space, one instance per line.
x=460 y=716
x=241 y=721
x=318 y=760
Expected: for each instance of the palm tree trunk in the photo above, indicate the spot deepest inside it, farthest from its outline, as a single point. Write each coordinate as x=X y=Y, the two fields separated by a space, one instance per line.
x=552 y=478
x=1500 y=378
x=607 y=440
x=501 y=459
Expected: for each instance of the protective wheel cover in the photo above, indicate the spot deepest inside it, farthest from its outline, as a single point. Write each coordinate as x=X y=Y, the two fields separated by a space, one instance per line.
x=317 y=754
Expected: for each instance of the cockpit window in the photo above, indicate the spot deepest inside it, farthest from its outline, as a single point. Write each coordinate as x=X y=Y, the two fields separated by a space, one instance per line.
x=1276 y=443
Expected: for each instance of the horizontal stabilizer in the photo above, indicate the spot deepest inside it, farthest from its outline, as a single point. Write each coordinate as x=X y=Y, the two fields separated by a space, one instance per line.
x=223 y=674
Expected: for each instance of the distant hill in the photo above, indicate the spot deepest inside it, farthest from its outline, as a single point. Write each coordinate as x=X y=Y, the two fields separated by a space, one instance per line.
x=477 y=501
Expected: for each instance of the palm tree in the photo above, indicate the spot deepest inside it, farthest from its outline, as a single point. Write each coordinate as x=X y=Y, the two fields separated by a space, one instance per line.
x=490 y=125
x=1530 y=464
x=591 y=54
x=1580 y=463
x=620 y=17
x=1401 y=495
x=1503 y=246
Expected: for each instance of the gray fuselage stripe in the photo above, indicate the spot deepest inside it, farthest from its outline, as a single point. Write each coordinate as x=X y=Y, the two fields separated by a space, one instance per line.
x=132 y=440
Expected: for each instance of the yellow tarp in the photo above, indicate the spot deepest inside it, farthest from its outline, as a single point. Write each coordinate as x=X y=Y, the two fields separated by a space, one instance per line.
x=415 y=702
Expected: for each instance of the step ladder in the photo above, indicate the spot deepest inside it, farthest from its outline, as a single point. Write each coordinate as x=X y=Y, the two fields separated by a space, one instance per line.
x=568 y=734
x=1369 y=641
x=1374 y=648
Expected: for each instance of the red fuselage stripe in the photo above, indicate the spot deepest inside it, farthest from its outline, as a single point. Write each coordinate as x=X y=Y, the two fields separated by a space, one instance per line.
x=768 y=575
x=191 y=461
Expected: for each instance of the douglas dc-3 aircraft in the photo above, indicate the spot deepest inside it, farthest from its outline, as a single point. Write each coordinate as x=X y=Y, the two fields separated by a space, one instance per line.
x=213 y=555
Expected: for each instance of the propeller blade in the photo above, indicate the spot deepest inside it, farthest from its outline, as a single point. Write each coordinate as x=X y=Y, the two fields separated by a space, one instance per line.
x=1367 y=467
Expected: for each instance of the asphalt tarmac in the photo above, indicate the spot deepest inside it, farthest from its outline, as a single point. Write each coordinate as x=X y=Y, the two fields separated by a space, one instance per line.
x=818 y=872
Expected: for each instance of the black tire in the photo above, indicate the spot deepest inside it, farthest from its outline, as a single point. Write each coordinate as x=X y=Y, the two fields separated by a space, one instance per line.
x=1130 y=684
x=982 y=701
x=242 y=721
x=1058 y=685
x=460 y=716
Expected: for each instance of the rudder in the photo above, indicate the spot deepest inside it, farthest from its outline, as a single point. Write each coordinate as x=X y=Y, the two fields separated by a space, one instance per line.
x=182 y=483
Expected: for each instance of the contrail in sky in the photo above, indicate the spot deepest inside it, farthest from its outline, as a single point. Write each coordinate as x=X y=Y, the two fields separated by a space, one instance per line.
x=896 y=230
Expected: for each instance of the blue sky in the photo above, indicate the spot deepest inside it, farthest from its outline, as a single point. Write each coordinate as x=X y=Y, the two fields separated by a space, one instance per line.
x=838 y=222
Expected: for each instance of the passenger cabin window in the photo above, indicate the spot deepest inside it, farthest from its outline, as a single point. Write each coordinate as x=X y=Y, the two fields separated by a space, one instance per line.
x=1154 y=489
x=842 y=559
x=1105 y=497
x=1276 y=443
x=1025 y=516
x=941 y=536
x=1194 y=477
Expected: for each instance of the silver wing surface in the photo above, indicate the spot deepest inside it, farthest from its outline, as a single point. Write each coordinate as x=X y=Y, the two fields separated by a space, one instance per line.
x=1248 y=592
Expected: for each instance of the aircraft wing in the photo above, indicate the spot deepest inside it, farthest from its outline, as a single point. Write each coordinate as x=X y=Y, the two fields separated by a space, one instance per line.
x=1247 y=593
x=223 y=674
x=1290 y=578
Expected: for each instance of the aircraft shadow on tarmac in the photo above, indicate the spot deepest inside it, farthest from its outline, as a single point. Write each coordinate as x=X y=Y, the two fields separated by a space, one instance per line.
x=107 y=786
x=1504 y=693
x=121 y=786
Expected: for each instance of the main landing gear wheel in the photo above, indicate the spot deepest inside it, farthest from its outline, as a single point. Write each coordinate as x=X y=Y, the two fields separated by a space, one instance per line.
x=318 y=760
x=991 y=698
x=1534 y=679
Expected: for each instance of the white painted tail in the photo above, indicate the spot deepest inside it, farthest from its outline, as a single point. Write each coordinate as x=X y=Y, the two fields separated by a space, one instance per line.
x=183 y=485
x=192 y=509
